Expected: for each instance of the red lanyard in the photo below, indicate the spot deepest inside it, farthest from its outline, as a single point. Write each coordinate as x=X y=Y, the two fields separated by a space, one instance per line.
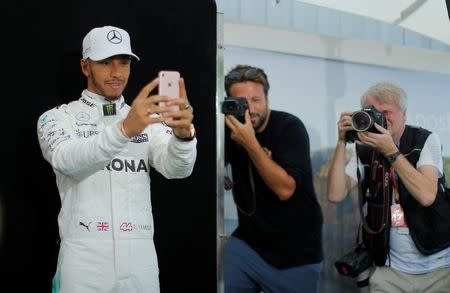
x=395 y=186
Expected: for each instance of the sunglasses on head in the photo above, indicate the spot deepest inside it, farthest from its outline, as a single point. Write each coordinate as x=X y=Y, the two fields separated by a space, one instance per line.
x=238 y=74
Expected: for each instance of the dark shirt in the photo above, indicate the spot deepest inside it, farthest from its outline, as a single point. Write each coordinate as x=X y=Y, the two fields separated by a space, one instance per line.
x=285 y=233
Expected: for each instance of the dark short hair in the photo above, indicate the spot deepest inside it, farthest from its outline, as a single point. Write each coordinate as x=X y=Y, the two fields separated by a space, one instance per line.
x=243 y=73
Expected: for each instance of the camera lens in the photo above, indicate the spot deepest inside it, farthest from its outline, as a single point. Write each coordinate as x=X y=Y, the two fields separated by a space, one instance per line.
x=361 y=121
x=362 y=280
x=231 y=106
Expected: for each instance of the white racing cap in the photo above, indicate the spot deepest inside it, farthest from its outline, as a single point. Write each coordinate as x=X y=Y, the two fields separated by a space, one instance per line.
x=103 y=42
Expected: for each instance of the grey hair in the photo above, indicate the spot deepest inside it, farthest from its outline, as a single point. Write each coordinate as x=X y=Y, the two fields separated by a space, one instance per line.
x=386 y=92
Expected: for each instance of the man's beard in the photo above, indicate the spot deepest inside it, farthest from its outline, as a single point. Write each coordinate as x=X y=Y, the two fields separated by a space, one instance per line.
x=101 y=90
x=261 y=118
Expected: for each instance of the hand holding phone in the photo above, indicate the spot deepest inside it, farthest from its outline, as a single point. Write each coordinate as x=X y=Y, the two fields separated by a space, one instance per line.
x=169 y=87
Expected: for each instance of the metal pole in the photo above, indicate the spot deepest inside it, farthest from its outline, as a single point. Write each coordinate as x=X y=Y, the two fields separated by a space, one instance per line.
x=220 y=153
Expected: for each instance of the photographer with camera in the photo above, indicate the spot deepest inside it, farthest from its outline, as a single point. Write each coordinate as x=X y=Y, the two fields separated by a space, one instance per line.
x=277 y=246
x=411 y=250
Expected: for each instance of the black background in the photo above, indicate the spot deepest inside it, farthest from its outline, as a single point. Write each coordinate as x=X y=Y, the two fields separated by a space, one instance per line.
x=448 y=8
x=41 y=52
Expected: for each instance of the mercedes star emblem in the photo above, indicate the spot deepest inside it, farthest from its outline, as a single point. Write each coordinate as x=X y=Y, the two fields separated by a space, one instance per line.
x=114 y=37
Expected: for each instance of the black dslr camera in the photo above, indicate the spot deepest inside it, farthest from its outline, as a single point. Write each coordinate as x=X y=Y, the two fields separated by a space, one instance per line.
x=235 y=106
x=356 y=264
x=364 y=120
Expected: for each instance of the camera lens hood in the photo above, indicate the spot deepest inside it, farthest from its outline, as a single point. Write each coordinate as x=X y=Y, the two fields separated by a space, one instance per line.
x=361 y=121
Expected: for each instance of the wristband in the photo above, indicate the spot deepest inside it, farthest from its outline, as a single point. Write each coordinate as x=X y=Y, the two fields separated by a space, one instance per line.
x=191 y=136
x=122 y=129
x=393 y=157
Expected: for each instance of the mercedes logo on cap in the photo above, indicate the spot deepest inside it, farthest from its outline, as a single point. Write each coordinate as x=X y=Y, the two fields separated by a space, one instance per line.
x=114 y=37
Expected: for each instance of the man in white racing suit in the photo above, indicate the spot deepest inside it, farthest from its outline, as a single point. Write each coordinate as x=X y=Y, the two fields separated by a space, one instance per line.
x=101 y=150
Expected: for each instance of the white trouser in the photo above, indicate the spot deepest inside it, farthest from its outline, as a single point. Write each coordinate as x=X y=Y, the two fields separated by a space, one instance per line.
x=93 y=265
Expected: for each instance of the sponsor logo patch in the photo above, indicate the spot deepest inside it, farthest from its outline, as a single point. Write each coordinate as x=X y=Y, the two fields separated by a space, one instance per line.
x=126 y=227
x=90 y=104
x=140 y=138
x=109 y=109
x=129 y=226
x=82 y=116
x=127 y=165
x=85 y=226
x=86 y=133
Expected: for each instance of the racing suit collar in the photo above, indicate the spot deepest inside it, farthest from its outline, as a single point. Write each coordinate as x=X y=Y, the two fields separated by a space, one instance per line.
x=100 y=100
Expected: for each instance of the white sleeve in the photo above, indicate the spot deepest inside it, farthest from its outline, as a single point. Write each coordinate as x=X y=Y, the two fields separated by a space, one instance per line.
x=431 y=154
x=76 y=158
x=170 y=156
x=350 y=168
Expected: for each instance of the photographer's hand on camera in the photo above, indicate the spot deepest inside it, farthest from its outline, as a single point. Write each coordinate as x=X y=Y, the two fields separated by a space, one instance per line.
x=242 y=133
x=344 y=125
x=337 y=185
x=381 y=142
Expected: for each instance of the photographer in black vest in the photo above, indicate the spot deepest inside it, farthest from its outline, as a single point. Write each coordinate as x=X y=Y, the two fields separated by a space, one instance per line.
x=414 y=253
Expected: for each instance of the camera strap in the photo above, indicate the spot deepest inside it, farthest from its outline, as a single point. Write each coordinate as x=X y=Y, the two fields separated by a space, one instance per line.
x=252 y=185
x=358 y=242
x=374 y=191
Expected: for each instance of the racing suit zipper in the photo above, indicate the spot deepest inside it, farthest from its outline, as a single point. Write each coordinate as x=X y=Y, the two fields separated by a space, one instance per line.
x=113 y=224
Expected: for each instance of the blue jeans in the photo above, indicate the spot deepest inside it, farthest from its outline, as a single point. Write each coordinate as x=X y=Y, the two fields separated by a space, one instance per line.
x=246 y=272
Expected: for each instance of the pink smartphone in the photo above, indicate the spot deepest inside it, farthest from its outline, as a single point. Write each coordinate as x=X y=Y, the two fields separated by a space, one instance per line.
x=169 y=86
